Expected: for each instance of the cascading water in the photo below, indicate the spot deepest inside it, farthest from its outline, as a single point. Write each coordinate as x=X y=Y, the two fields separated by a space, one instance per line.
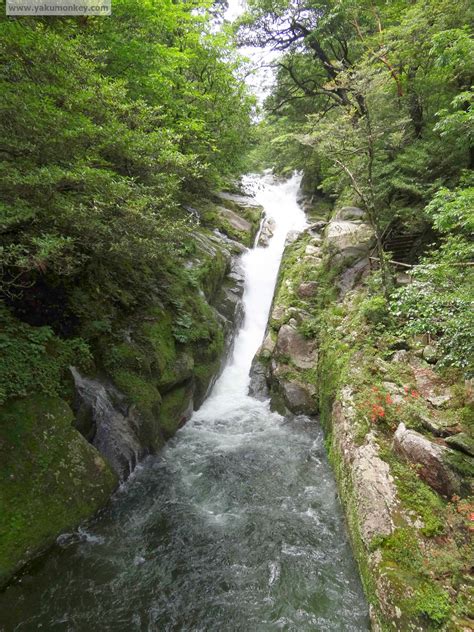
x=234 y=526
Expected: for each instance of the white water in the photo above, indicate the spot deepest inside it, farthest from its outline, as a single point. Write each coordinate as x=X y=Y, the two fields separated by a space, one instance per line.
x=261 y=270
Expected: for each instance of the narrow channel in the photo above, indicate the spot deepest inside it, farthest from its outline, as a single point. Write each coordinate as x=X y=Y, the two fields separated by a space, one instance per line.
x=234 y=526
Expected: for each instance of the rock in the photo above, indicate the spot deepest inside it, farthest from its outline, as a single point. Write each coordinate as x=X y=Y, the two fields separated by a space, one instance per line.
x=266 y=233
x=267 y=347
x=400 y=356
x=438 y=400
x=258 y=386
x=439 y=426
x=278 y=314
x=301 y=351
x=298 y=397
x=176 y=409
x=431 y=459
x=373 y=489
x=350 y=213
x=58 y=480
x=297 y=315
x=316 y=227
x=117 y=426
x=350 y=277
x=348 y=240
x=430 y=384
x=238 y=202
x=463 y=442
x=396 y=392
x=291 y=237
x=313 y=261
x=307 y=290
x=430 y=354
x=402 y=279
x=236 y=221
x=314 y=251
x=179 y=371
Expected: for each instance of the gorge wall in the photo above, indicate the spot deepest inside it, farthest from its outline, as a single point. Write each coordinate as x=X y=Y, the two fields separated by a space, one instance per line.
x=63 y=451
x=396 y=429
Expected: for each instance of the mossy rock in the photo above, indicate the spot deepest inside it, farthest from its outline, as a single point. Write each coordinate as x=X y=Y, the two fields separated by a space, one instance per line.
x=176 y=409
x=50 y=478
x=157 y=330
x=176 y=372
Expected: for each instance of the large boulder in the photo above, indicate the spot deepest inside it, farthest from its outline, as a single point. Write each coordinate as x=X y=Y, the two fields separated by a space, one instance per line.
x=294 y=346
x=350 y=213
x=375 y=491
x=298 y=395
x=348 y=240
x=374 y=495
x=429 y=457
x=51 y=478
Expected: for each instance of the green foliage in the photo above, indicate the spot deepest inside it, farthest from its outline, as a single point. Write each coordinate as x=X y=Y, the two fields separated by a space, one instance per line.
x=432 y=602
x=375 y=309
x=103 y=136
x=34 y=360
x=439 y=300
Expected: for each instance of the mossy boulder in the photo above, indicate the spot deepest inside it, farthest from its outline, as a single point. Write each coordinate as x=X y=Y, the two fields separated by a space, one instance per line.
x=176 y=409
x=234 y=215
x=50 y=478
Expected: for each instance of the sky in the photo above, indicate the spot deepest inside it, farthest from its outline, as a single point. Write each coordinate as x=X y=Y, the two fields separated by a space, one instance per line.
x=261 y=79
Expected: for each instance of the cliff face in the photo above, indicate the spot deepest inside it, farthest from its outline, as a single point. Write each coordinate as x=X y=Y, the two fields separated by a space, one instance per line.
x=66 y=442
x=397 y=431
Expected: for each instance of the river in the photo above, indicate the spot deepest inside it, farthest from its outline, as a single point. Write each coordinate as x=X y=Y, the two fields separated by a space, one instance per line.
x=234 y=526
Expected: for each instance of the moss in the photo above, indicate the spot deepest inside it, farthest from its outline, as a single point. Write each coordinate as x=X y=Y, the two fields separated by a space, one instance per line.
x=157 y=330
x=432 y=602
x=416 y=495
x=210 y=272
x=214 y=216
x=346 y=492
x=173 y=409
x=50 y=478
x=140 y=390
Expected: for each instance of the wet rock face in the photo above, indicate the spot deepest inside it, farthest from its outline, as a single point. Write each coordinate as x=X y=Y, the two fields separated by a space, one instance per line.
x=266 y=233
x=61 y=481
x=116 y=426
x=258 y=387
x=431 y=459
x=298 y=397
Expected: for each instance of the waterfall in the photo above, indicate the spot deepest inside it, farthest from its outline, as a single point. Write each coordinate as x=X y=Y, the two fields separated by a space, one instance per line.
x=260 y=266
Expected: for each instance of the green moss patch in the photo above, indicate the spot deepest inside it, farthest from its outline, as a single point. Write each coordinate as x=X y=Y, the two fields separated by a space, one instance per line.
x=175 y=404
x=50 y=478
